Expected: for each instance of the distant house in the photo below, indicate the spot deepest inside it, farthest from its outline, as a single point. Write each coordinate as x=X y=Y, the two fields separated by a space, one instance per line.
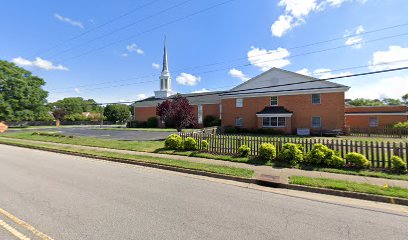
x=276 y=99
x=375 y=116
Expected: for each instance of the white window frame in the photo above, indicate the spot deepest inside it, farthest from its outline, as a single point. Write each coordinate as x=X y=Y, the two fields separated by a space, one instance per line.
x=375 y=123
x=239 y=102
x=239 y=122
x=273 y=125
x=320 y=98
x=200 y=114
x=277 y=101
x=320 y=122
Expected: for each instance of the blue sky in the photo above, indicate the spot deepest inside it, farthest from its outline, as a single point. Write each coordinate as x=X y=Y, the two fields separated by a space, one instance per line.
x=119 y=61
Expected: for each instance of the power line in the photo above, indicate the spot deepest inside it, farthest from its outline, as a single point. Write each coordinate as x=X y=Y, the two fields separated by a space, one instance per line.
x=124 y=27
x=99 y=26
x=147 y=31
x=280 y=85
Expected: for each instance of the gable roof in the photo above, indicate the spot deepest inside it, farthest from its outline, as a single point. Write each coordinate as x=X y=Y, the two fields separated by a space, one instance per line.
x=282 y=82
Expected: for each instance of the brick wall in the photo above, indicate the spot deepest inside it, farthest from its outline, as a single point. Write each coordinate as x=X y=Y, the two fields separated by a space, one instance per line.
x=331 y=110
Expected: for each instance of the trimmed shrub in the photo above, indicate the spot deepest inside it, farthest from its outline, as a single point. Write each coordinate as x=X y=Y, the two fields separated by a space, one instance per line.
x=398 y=165
x=210 y=121
x=174 y=142
x=291 y=153
x=401 y=125
x=190 y=144
x=205 y=145
x=267 y=151
x=322 y=155
x=152 y=122
x=244 y=151
x=357 y=160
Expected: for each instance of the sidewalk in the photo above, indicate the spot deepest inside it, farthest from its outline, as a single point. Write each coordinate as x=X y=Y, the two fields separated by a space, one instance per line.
x=282 y=173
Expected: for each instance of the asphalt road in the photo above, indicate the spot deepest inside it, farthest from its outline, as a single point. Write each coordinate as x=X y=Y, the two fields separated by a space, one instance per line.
x=131 y=135
x=70 y=197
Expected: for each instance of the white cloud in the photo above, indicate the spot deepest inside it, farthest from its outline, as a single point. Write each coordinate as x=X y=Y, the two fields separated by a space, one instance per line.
x=392 y=87
x=304 y=71
x=267 y=59
x=238 y=74
x=187 y=79
x=203 y=90
x=39 y=63
x=396 y=54
x=322 y=73
x=69 y=21
x=282 y=25
x=298 y=8
x=77 y=90
x=156 y=65
x=133 y=48
x=296 y=12
x=141 y=96
x=355 y=41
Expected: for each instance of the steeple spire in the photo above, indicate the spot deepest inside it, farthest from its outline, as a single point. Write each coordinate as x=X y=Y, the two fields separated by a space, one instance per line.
x=165 y=79
x=165 y=65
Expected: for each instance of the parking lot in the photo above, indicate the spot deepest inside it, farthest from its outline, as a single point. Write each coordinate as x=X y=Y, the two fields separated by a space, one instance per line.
x=125 y=135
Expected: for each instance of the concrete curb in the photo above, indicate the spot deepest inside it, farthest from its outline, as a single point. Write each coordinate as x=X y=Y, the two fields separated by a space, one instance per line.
x=263 y=180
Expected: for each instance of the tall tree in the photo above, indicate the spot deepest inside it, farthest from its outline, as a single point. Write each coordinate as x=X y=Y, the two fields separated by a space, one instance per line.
x=21 y=94
x=405 y=99
x=177 y=113
x=117 y=113
x=365 y=102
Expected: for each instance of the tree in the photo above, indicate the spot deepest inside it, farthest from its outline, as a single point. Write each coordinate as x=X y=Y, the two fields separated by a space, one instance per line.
x=21 y=94
x=365 y=102
x=77 y=105
x=59 y=114
x=117 y=113
x=177 y=113
x=392 y=101
x=405 y=99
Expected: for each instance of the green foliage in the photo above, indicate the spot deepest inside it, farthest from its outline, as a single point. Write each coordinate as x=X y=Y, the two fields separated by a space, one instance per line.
x=365 y=102
x=21 y=94
x=267 y=151
x=117 y=113
x=190 y=144
x=291 y=153
x=205 y=145
x=401 y=125
x=174 y=142
x=244 y=151
x=398 y=165
x=210 y=121
x=75 y=117
x=76 y=105
x=152 y=122
x=357 y=160
x=322 y=155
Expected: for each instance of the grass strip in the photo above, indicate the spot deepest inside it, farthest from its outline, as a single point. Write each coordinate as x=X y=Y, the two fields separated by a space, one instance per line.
x=365 y=173
x=225 y=170
x=349 y=186
x=143 y=129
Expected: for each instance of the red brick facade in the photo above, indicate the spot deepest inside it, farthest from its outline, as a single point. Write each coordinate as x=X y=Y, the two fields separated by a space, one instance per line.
x=383 y=116
x=330 y=110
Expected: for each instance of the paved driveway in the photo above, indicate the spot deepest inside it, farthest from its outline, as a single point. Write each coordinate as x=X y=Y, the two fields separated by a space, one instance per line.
x=129 y=135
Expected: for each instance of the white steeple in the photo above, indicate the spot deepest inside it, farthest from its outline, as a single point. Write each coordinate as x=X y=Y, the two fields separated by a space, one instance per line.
x=165 y=79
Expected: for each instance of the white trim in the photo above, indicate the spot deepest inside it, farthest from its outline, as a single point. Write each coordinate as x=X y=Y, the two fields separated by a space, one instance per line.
x=377 y=114
x=283 y=93
x=277 y=100
x=277 y=122
x=275 y=115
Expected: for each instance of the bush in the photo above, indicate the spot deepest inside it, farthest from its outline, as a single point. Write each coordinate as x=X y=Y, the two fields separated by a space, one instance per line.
x=210 y=121
x=357 y=160
x=174 y=142
x=398 y=165
x=190 y=144
x=205 y=145
x=401 y=125
x=291 y=153
x=322 y=155
x=244 y=151
x=267 y=151
x=75 y=117
x=152 y=122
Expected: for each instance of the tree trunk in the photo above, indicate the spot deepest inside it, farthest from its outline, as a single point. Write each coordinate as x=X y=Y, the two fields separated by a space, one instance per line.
x=57 y=123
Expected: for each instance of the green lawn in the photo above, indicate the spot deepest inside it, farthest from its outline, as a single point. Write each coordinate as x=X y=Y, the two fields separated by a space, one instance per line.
x=349 y=186
x=232 y=171
x=144 y=129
